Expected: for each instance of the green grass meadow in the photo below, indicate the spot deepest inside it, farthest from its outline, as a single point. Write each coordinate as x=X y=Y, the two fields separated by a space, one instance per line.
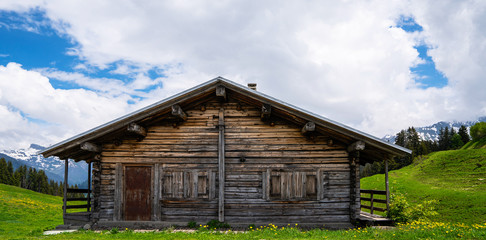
x=454 y=178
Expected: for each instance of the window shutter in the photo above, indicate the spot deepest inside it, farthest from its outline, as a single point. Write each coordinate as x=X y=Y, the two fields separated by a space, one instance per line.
x=292 y=185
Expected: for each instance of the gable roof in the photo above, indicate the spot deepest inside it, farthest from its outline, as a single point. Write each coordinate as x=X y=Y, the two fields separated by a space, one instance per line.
x=376 y=149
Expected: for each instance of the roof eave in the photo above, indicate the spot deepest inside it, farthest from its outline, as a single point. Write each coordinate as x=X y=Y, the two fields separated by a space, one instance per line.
x=207 y=86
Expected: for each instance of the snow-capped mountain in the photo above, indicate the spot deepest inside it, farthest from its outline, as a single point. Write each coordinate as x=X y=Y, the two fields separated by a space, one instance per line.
x=432 y=132
x=53 y=166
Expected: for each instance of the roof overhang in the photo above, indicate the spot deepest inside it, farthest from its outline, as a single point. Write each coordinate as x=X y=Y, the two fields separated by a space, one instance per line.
x=387 y=149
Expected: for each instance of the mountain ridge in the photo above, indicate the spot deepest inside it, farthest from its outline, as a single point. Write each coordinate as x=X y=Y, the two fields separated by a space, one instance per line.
x=53 y=166
x=431 y=132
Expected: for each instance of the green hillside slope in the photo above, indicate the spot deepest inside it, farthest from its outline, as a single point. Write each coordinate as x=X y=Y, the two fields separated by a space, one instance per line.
x=481 y=143
x=26 y=213
x=456 y=178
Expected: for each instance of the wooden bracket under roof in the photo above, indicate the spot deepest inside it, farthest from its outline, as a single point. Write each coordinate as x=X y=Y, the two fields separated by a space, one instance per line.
x=137 y=129
x=177 y=112
x=309 y=127
x=90 y=147
x=266 y=111
x=356 y=146
x=221 y=91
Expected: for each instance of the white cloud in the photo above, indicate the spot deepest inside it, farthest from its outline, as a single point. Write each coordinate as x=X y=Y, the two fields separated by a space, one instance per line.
x=342 y=59
x=34 y=111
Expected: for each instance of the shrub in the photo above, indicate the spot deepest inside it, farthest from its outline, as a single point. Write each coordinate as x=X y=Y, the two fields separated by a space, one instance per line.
x=114 y=231
x=191 y=224
x=398 y=208
x=478 y=131
x=402 y=212
x=215 y=224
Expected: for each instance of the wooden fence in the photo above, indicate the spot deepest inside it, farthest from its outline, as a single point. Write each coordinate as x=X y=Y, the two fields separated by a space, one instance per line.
x=372 y=200
x=87 y=199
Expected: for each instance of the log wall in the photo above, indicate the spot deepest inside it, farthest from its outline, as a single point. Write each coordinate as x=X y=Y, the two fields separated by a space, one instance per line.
x=274 y=174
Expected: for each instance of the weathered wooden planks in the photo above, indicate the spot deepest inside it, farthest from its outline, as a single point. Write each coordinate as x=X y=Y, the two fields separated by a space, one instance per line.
x=316 y=175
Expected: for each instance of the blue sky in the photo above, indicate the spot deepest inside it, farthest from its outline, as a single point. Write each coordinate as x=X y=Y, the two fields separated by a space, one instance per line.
x=34 y=44
x=426 y=73
x=68 y=66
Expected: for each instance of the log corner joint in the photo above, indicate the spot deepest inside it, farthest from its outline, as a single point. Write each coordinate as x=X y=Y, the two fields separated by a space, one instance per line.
x=309 y=127
x=178 y=113
x=137 y=129
x=90 y=147
x=221 y=92
x=356 y=146
x=266 y=111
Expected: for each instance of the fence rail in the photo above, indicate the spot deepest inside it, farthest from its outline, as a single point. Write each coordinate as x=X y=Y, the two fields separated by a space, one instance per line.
x=372 y=200
x=87 y=199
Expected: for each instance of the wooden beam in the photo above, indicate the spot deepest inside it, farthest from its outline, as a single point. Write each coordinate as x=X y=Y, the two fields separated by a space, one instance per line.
x=309 y=127
x=177 y=112
x=137 y=129
x=66 y=164
x=266 y=111
x=90 y=147
x=118 y=201
x=221 y=91
x=387 y=189
x=221 y=170
x=156 y=193
x=356 y=146
x=88 y=196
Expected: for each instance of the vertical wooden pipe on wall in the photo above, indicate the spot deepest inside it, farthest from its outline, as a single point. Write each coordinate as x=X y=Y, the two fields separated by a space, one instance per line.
x=221 y=170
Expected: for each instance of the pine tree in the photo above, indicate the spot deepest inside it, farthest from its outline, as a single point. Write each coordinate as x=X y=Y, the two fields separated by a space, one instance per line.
x=456 y=142
x=444 y=139
x=10 y=174
x=42 y=186
x=464 y=135
x=400 y=139
x=3 y=171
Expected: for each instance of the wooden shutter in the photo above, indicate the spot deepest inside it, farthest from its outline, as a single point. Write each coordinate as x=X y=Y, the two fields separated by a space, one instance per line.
x=292 y=185
x=187 y=184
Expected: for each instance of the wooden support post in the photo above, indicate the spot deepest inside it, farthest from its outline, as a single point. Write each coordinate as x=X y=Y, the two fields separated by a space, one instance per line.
x=156 y=192
x=266 y=111
x=356 y=146
x=90 y=147
x=118 y=201
x=177 y=112
x=221 y=170
x=309 y=127
x=89 y=187
x=387 y=186
x=371 y=202
x=221 y=91
x=354 y=194
x=66 y=164
x=137 y=129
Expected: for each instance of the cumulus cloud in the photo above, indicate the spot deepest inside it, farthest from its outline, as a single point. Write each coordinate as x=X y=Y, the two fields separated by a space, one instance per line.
x=345 y=60
x=33 y=111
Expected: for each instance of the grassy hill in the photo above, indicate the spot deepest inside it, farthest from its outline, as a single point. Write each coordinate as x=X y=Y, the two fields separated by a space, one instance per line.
x=456 y=178
x=480 y=144
x=26 y=213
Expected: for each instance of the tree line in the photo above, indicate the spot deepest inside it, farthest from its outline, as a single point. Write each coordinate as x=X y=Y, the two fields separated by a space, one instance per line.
x=448 y=139
x=30 y=178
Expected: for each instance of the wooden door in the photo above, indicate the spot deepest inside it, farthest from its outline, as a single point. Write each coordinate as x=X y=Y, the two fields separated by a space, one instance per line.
x=138 y=185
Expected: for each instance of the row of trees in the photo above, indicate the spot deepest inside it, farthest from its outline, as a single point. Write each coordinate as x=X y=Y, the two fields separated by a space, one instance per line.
x=29 y=178
x=448 y=139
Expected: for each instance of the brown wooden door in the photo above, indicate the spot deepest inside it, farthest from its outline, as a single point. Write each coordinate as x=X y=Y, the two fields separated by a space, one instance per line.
x=138 y=204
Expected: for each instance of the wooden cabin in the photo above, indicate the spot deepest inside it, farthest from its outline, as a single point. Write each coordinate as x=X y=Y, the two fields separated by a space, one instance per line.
x=221 y=151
